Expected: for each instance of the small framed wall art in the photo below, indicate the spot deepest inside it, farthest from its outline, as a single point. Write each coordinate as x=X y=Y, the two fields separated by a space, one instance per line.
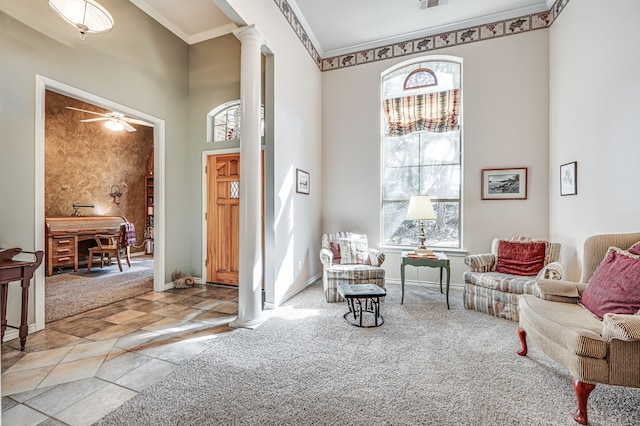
x=302 y=182
x=504 y=184
x=569 y=178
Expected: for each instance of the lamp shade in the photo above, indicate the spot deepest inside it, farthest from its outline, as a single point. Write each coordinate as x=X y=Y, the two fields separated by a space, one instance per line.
x=420 y=208
x=86 y=15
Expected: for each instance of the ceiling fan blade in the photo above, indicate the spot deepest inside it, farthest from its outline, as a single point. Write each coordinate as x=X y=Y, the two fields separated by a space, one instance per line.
x=84 y=110
x=89 y=120
x=128 y=127
x=136 y=121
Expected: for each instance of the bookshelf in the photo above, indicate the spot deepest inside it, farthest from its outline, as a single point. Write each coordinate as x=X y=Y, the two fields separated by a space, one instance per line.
x=148 y=230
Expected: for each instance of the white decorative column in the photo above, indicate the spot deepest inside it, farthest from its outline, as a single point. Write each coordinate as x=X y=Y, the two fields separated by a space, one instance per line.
x=250 y=260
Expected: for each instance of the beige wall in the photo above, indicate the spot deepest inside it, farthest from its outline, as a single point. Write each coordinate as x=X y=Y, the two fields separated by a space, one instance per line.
x=296 y=129
x=505 y=105
x=594 y=88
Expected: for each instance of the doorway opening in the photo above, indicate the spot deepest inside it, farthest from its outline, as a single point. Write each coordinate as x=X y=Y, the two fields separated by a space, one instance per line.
x=44 y=85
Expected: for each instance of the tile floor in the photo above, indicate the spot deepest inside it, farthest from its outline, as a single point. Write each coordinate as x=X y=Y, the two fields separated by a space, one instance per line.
x=80 y=368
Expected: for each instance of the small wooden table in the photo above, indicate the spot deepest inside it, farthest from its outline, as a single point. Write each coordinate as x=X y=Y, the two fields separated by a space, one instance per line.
x=15 y=270
x=441 y=262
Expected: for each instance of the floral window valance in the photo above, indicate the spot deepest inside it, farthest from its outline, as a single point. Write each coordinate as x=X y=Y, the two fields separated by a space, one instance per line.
x=432 y=112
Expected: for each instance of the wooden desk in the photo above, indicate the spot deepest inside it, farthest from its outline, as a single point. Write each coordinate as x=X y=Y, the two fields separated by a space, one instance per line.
x=64 y=233
x=15 y=270
x=441 y=262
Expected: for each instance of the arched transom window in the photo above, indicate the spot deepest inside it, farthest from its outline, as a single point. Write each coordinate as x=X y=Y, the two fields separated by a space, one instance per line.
x=224 y=122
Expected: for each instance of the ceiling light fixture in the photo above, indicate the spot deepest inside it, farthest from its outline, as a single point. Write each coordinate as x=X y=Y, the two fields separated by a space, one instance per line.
x=86 y=15
x=425 y=4
x=114 y=125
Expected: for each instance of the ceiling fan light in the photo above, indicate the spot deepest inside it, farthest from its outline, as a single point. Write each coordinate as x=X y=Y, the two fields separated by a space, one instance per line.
x=86 y=15
x=114 y=125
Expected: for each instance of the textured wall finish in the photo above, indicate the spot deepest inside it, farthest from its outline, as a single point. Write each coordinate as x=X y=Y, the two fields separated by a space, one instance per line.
x=84 y=160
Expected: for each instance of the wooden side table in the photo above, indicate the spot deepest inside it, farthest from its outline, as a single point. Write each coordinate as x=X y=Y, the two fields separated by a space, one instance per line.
x=13 y=270
x=441 y=262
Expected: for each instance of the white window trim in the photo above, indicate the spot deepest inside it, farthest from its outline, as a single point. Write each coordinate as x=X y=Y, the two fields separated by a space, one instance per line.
x=211 y=114
x=431 y=58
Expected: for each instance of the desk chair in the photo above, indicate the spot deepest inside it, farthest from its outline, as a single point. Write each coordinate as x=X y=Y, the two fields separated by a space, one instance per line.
x=108 y=245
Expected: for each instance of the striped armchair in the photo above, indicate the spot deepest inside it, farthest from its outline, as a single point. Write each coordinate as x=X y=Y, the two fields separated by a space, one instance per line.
x=496 y=293
x=347 y=259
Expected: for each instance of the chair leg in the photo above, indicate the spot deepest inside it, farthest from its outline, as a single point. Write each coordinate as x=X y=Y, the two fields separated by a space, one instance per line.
x=522 y=334
x=90 y=262
x=582 y=393
x=118 y=260
x=128 y=252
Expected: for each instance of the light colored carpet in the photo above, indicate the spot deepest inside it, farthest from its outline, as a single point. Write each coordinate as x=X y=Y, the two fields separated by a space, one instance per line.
x=424 y=366
x=76 y=292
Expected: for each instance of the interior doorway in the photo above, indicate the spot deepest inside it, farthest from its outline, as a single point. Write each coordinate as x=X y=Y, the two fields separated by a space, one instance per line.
x=42 y=85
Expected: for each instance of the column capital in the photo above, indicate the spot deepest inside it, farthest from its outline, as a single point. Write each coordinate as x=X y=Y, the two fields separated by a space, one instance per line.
x=249 y=33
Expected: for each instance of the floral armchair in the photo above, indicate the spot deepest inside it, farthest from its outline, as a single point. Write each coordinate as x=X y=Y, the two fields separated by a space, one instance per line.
x=347 y=259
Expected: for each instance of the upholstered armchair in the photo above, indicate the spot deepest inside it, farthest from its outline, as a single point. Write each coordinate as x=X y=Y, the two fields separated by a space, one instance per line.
x=591 y=327
x=347 y=259
x=496 y=279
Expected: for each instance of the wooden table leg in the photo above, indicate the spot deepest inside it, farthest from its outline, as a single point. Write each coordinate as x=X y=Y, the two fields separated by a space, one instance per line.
x=4 y=311
x=24 y=326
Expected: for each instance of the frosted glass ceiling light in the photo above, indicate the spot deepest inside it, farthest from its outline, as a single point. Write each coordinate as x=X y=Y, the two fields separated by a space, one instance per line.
x=85 y=15
x=114 y=125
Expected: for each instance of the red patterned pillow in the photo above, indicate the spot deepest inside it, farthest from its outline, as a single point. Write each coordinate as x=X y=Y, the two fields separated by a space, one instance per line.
x=635 y=249
x=615 y=285
x=521 y=258
x=335 y=249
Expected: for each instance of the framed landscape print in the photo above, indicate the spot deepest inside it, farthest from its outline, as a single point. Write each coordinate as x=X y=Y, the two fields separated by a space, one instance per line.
x=504 y=184
x=302 y=182
x=569 y=178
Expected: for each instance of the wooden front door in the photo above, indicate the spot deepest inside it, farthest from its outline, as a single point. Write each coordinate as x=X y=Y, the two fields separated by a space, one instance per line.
x=223 y=216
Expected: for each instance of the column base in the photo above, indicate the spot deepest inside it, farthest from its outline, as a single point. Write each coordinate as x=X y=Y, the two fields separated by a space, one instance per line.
x=250 y=324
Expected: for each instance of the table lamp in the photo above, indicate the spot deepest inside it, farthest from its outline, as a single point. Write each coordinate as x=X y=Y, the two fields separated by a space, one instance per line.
x=420 y=209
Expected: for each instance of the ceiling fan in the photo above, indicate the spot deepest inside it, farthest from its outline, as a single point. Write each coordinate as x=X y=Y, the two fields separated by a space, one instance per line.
x=113 y=120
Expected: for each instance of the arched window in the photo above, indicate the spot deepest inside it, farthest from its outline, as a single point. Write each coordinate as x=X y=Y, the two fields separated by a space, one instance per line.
x=422 y=77
x=421 y=150
x=224 y=122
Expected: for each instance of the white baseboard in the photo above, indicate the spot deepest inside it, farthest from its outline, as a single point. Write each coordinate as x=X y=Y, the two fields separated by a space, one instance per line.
x=294 y=290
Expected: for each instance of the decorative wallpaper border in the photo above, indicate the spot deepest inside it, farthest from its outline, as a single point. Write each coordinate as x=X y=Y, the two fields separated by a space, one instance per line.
x=506 y=27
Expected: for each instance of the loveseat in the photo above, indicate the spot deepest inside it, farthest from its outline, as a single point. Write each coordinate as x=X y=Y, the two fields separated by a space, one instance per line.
x=347 y=259
x=592 y=327
x=496 y=279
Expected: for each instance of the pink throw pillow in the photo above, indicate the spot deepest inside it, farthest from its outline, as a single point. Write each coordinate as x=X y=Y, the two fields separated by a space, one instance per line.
x=335 y=249
x=521 y=258
x=635 y=249
x=615 y=285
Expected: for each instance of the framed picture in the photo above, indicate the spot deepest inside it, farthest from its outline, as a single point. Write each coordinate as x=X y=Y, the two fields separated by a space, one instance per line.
x=569 y=178
x=504 y=184
x=302 y=182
